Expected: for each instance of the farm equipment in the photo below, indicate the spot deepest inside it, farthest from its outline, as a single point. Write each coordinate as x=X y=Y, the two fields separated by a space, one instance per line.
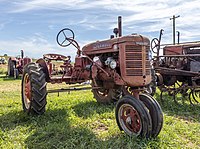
x=178 y=69
x=3 y=60
x=119 y=70
x=16 y=65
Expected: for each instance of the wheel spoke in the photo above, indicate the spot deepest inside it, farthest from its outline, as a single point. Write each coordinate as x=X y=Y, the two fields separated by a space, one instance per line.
x=64 y=34
x=63 y=42
x=135 y=121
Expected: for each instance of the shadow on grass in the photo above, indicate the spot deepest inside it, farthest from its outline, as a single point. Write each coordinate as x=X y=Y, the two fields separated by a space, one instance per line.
x=87 y=109
x=54 y=130
x=182 y=110
x=11 y=120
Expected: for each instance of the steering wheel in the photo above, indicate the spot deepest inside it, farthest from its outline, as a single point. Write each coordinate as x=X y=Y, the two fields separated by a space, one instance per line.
x=54 y=57
x=65 y=37
x=155 y=45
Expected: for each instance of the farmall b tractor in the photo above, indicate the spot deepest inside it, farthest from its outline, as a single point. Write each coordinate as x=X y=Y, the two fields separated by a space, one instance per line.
x=16 y=65
x=119 y=70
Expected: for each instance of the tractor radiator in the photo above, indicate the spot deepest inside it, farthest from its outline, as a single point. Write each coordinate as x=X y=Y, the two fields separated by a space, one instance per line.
x=137 y=60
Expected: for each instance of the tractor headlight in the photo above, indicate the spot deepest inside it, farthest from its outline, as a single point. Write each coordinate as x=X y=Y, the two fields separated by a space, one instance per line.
x=110 y=62
x=113 y=64
x=96 y=58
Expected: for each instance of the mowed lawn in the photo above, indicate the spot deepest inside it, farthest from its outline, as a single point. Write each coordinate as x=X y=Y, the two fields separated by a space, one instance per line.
x=76 y=120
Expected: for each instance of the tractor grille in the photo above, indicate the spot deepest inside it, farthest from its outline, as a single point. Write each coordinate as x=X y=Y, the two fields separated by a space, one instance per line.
x=134 y=63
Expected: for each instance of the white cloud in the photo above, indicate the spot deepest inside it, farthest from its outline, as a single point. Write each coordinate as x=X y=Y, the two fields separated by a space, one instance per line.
x=143 y=17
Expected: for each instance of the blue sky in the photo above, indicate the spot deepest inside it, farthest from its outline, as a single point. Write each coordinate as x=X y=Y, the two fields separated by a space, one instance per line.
x=32 y=25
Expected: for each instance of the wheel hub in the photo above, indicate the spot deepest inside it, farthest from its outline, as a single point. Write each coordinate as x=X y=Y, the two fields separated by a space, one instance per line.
x=27 y=91
x=130 y=119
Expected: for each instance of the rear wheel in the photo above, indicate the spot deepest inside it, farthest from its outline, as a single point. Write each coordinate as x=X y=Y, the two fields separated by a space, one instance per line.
x=11 y=67
x=133 y=117
x=33 y=89
x=16 y=73
x=106 y=96
x=155 y=112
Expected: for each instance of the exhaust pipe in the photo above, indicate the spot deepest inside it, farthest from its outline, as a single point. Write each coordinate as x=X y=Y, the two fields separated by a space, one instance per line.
x=120 y=25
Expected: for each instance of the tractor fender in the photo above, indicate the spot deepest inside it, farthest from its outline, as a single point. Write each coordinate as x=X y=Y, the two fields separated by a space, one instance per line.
x=42 y=63
x=26 y=60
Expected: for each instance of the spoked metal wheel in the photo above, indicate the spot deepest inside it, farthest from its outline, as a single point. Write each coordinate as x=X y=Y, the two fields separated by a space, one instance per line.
x=132 y=117
x=194 y=96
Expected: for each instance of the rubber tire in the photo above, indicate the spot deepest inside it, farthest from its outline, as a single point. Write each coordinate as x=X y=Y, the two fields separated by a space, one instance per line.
x=142 y=111
x=155 y=112
x=38 y=89
x=16 y=73
x=11 y=67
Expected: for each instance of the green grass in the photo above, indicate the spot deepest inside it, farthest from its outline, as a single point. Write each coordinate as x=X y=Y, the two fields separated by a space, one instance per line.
x=76 y=120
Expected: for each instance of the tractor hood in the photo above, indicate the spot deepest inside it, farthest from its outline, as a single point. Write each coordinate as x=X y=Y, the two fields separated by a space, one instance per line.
x=112 y=45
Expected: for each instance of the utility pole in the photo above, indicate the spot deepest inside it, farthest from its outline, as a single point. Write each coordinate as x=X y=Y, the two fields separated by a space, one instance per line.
x=174 y=28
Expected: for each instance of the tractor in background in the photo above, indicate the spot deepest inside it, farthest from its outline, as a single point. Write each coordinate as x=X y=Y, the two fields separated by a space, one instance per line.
x=119 y=71
x=16 y=65
x=177 y=69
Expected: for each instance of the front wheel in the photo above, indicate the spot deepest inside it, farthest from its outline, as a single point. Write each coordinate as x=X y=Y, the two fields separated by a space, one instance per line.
x=33 y=89
x=155 y=112
x=133 y=117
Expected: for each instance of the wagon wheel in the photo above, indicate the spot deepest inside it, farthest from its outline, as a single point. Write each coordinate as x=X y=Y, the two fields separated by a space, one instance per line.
x=155 y=45
x=106 y=96
x=65 y=37
x=194 y=96
x=132 y=117
x=33 y=89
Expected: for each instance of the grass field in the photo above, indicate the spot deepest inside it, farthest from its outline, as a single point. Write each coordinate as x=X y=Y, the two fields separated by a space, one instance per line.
x=76 y=120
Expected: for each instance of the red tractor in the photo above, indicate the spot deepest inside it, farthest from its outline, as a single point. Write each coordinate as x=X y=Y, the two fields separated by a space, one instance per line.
x=119 y=70
x=16 y=65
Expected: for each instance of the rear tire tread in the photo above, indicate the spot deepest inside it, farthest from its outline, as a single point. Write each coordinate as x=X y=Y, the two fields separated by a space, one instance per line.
x=38 y=89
